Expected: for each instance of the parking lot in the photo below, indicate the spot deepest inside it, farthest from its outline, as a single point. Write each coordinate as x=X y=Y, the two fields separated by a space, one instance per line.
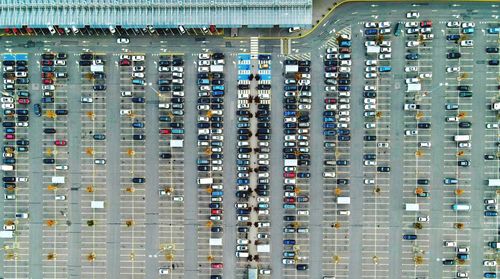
x=409 y=134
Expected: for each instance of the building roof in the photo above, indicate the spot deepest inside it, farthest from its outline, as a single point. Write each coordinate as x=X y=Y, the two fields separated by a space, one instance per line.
x=158 y=13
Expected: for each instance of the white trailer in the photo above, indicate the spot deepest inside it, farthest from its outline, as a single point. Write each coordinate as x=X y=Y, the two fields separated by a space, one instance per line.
x=215 y=242
x=344 y=200
x=494 y=182
x=291 y=163
x=216 y=68
x=97 y=68
x=412 y=207
x=413 y=87
x=263 y=248
x=58 y=179
x=461 y=138
x=291 y=68
x=204 y=181
x=6 y=234
x=372 y=49
x=96 y=204
x=176 y=143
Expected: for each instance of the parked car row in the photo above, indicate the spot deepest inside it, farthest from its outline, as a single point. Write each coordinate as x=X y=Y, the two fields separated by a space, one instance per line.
x=210 y=124
x=297 y=104
x=15 y=121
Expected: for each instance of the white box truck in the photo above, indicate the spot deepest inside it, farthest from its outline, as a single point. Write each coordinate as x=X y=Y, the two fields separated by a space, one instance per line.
x=216 y=68
x=205 y=181
x=215 y=242
x=263 y=248
x=96 y=204
x=413 y=87
x=176 y=143
x=344 y=200
x=412 y=207
x=58 y=179
x=461 y=138
x=291 y=162
x=97 y=68
x=494 y=182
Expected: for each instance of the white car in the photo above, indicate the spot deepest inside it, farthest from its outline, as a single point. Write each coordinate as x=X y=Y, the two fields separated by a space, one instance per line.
x=452 y=69
x=450 y=244
x=203 y=69
x=332 y=50
x=409 y=69
x=138 y=58
x=384 y=24
x=425 y=75
x=332 y=56
x=491 y=125
x=423 y=218
x=7 y=100
x=385 y=56
x=330 y=88
x=122 y=41
x=344 y=94
x=344 y=63
x=411 y=24
x=306 y=81
x=178 y=69
x=345 y=69
x=411 y=132
x=163 y=271
x=411 y=80
x=370 y=43
x=489 y=263
x=204 y=62
x=385 y=50
x=125 y=112
x=163 y=69
x=370 y=75
x=203 y=56
x=462 y=275
x=371 y=25
x=288 y=261
x=385 y=43
x=60 y=198
x=87 y=99
x=383 y=144
x=370 y=163
x=453 y=24
x=138 y=68
x=412 y=31
x=9 y=227
x=327 y=75
x=22 y=124
x=369 y=181
x=370 y=88
x=370 y=101
x=138 y=75
x=468 y=24
x=412 y=15
x=371 y=62
x=426 y=30
x=370 y=69
x=451 y=119
x=412 y=43
x=467 y=43
x=370 y=107
x=427 y=37
x=265 y=271
x=385 y=31
x=464 y=145
x=7 y=106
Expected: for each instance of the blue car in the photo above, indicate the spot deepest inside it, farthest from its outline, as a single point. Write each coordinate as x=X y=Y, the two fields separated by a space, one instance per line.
x=217 y=193
x=242 y=181
x=371 y=31
x=409 y=237
x=412 y=56
x=10 y=130
x=289 y=241
x=137 y=81
x=242 y=162
x=344 y=132
x=329 y=125
x=203 y=82
x=468 y=30
x=289 y=206
x=453 y=37
x=329 y=132
x=490 y=275
x=47 y=100
x=384 y=69
x=47 y=69
x=289 y=113
x=344 y=88
x=329 y=113
x=495 y=30
x=329 y=119
x=490 y=213
x=218 y=87
x=138 y=100
x=241 y=211
x=344 y=138
x=345 y=44
x=138 y=125
x=217 y=93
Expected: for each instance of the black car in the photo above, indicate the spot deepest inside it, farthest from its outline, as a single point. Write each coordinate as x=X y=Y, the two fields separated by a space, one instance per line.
x=369 y=94
x=165 y=155
x=164 y=88
x=244 y=150
x=342 y=162
x=489 y=157
x=86 y=56
x=463 y=88
x=203 y=168
x=99 y=87
x=423 y=181
x=243 y=137
x=424 y=125
x=8 y=124
x=383 y=169
x=243 y=86
x=463 y=163
x=341 y=181
x=49 y=131
x=370 y=138
x=493 y=62
x=370 y=156
x=49 y=161
x=289 y=218
x=243 y=113
x=453 y=55
x=263 y=87
x=492 y=49
x=241 y=194
x=22 y=142
x=291 y=62
x=9 y=179
x=216 y=229
x=202 y=125
x=138 y=180
x=465 y=124
x=61 y=111
x=139 y=137
x=217 y=75
x=243 y=229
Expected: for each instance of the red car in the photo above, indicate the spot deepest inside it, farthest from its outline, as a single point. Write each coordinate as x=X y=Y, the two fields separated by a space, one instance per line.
x=215 y=211
x=60 y=142
x=23 y=100
x=47 y=63
x=47 y=75
x=47 y=81
x=289 y=174
x=289 y=199
x=6 y=30
x=330 y=101
x=10 y=136
x=29 y=30
x=125 y=62
x=165 y=131
x=426 y=23
x=217 y=265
